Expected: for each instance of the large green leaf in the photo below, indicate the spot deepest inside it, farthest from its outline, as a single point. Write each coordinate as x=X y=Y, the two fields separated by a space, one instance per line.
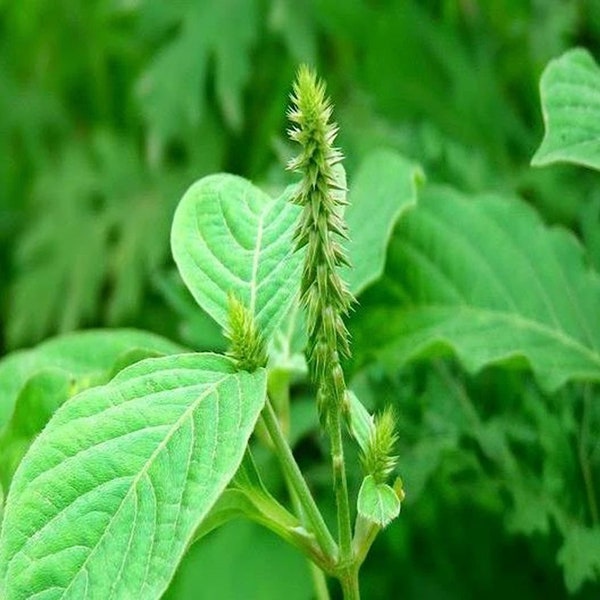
x=485 y=279
x=570 y=91
x=385 y=185
x=228 y=236
x=110 y=493
x=85 y=358
x=39 y=381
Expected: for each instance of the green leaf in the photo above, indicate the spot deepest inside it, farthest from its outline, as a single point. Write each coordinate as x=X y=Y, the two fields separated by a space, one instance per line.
x=228 y=236
x=377 y=502
x=570 y=91
x=109 y=495
x=484 y=278
x=85 y=358
x=580 y=556
x=60 y=260
x=172 y=89
x=38 y=400
x=384 y=186
x=100 y=226
x=529 y=513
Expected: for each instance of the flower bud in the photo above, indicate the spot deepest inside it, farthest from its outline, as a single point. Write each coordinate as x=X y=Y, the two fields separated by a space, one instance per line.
x=246 y=344
x=378 y=457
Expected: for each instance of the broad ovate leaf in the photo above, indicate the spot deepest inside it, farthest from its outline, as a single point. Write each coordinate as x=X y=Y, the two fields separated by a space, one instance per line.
x=229 y=236
x=377 y=502
x=384 y=186
x=570 y=93
x=485 y=279
x=110 y=493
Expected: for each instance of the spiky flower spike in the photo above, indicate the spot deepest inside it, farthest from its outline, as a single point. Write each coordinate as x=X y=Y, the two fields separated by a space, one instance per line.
x=321 y=229
x=247 y=346
x=323 y=293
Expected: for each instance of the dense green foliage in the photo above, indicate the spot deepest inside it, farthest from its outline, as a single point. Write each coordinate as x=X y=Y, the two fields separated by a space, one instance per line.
x=478 y=288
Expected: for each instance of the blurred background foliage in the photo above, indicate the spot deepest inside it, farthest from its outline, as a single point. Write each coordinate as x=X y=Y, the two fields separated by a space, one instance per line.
x=110 y=109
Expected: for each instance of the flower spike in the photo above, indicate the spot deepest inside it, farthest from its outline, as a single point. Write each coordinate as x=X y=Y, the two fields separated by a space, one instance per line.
x=321 y=230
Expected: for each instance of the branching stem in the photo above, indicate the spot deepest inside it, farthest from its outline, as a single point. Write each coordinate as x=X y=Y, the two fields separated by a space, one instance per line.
x=292 y=471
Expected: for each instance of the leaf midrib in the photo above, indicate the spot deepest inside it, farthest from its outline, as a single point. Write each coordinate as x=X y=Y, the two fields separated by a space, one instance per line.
x=256 y=261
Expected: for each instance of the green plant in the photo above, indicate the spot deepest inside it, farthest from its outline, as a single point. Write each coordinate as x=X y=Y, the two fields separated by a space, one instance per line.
x=477 y=317
x=141 y=457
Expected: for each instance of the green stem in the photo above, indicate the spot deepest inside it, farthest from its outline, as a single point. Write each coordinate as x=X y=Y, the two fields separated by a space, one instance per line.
x=317 y=574
x=348 y=566
x=349 y=581
x=364 y=536
x=319 y=582
x=279 y=394
x=292 y=471
x=340 y=484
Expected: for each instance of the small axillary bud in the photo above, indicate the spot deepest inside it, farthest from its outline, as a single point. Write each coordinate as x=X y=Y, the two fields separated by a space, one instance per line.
x=246 y=343
x=378 y=458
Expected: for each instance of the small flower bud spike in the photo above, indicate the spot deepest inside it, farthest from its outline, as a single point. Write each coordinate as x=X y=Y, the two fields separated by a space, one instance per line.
x=246 y=344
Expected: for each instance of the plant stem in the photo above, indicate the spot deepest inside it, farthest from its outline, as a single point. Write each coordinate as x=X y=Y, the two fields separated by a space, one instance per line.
x=317 y=574
x=292 y=471
x=279 y=394
x=349 y=581
x=340 y=485
x=347 y=565
x=364 y=535
x=319 y=582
